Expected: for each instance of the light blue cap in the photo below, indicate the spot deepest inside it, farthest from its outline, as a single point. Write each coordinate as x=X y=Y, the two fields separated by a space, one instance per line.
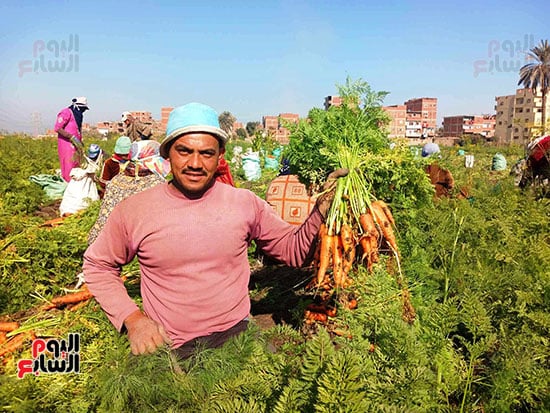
x=123 y=145
x=190 y=118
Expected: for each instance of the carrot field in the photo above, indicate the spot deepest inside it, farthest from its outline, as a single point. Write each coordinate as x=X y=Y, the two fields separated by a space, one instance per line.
x=476 y=270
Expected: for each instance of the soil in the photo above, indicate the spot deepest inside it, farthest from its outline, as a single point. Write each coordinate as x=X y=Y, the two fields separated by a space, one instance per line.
x=48 y=211
x=276 y=292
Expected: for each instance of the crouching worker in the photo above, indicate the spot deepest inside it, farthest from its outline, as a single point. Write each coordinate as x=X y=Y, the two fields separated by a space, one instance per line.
x=191 y=237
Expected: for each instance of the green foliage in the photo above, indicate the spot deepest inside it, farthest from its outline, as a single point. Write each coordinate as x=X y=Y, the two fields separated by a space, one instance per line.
x=251 y=127
x=21 y=157
x=241 y=133
x=477 y=271
x=41 y=261
x=316 y=143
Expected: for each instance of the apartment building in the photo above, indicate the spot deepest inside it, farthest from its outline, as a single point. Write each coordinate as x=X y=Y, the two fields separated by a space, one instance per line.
x=426 y=108
x=414 y=127
x=106 y=127
x=457 y=126
x=270 y=123
x=416 y=118
x=164 y=115
x=519 y=116
x=504 y=118
x=397 y=126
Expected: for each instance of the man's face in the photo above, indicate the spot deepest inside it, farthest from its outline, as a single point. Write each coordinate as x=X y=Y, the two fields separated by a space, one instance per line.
x=194 y=160
x=128 y=121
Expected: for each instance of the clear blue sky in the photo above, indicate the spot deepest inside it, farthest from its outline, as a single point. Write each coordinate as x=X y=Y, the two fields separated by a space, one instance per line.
x=256 y=58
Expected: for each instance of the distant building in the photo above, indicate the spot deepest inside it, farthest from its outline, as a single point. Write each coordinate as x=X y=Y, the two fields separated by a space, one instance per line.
x=106 y=127
x=397 y=126
x=416 y=118
x=519 y=116
x=270 y=123
x=457 y=126
x=414 y=126
x=426 y=108
x=275 y=126
x=164 y=115
x=332 y=101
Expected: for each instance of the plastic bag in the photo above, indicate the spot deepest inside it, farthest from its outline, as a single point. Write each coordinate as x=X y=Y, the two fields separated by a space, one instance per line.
x=251 y=166
x=499 y=162
x=54 y=186
x=271 y=162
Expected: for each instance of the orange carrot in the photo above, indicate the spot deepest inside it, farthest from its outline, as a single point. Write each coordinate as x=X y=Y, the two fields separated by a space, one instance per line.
x=53 y=222
x=325 y=253
x=337 y=254
x=322 y=308
x=348 y=245
x=365 y=243
x=313 y=316
x=15 y=343
x=348 y=241
x=3 y=337
x=317 y=254
x=367 y=224
x=385 y=226
x=349 y=258
x=331 y=311
x=352 y=304
x=9 y=326
x=386 y=210
x=374 y=250
x=72 y=298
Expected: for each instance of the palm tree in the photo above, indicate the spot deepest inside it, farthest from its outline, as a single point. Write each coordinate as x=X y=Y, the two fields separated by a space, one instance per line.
x=536 y=75
x=227 y=120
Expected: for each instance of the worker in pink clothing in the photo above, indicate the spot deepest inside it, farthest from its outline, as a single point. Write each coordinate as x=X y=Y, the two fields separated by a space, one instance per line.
x=69 y=135
x=191 y=236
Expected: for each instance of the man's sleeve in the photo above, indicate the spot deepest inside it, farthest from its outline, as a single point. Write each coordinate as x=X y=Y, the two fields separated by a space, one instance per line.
x=287 y=243
x=103 y=261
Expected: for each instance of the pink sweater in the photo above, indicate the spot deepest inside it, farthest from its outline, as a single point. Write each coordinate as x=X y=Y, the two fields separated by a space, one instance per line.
x=193 y=256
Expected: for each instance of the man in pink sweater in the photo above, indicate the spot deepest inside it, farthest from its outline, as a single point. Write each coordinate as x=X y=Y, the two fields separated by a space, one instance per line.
x=191 y=237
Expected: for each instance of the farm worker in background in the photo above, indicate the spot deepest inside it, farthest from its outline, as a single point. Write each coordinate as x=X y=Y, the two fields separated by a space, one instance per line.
x=430 y=149
x=69 y=136
x=111 y=167
x=82 y=188
x=136 y=130
x=191 y=237
x=145 y=168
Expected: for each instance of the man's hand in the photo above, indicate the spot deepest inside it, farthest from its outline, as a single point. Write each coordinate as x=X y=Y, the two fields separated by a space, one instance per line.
x=327 y=195
x=144 y=334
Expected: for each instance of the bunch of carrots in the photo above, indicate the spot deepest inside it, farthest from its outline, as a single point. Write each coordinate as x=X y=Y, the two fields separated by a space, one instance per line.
x=356 y=222
x=356 y=228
